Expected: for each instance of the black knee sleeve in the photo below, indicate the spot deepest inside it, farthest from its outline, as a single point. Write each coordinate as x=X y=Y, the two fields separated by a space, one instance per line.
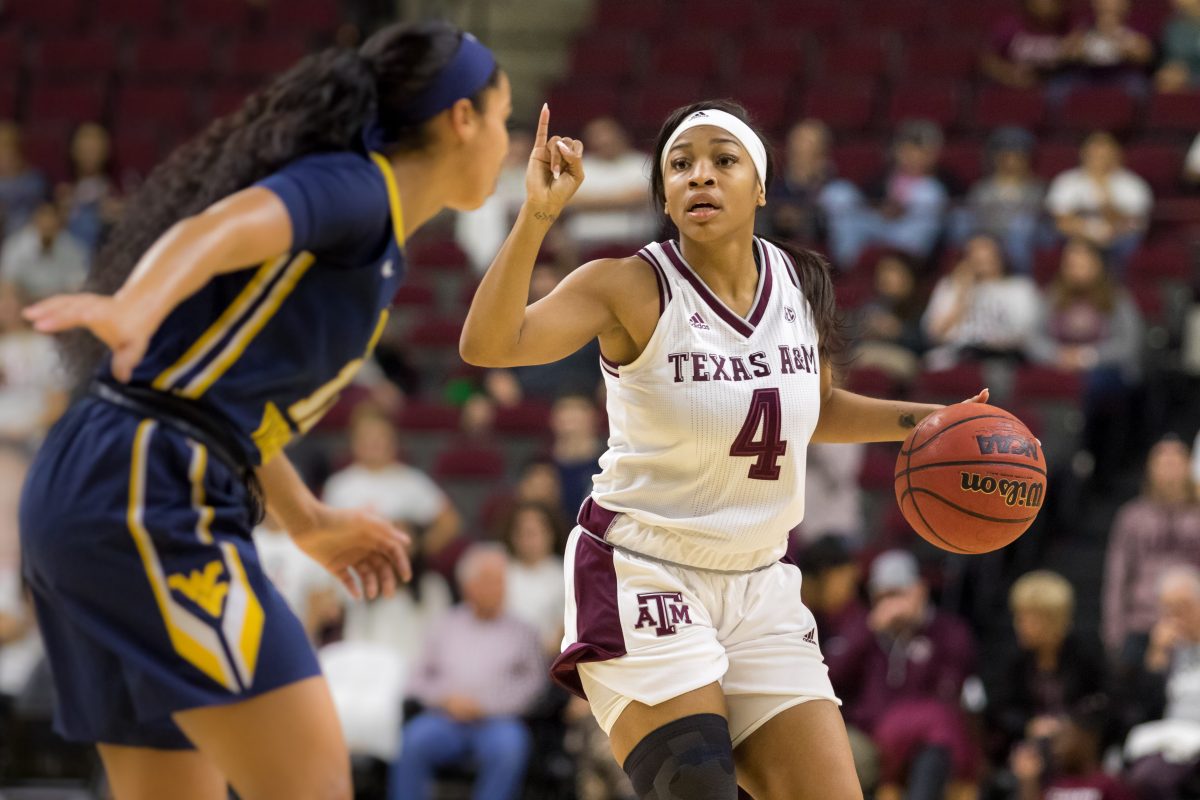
x=688 y=759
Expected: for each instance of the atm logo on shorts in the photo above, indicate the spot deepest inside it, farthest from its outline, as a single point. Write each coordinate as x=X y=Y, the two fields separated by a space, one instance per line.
x=662 y=611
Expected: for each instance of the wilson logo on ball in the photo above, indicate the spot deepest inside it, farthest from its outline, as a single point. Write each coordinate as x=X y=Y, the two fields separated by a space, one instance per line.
x=1027 y=494
x=1007 y=443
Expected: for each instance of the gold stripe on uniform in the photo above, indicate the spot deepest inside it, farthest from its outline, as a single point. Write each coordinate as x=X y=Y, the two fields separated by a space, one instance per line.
x=246 y=298
x=244 y=618
x=204 y=513
x=393 y=192
x=195 y=641
x=241 y=340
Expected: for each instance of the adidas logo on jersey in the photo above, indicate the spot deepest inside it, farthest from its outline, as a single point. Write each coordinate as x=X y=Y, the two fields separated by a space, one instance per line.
x=811 y=637
x=696 y=322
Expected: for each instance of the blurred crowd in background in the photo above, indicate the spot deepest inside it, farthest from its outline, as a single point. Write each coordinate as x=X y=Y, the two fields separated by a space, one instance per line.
x=1067 y=665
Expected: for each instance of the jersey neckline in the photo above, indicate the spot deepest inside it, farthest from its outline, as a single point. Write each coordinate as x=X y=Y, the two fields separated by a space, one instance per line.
x=743 y=325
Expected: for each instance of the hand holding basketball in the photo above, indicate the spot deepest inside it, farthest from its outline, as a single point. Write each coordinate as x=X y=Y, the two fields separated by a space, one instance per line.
x=555 y=168
x=970 y=478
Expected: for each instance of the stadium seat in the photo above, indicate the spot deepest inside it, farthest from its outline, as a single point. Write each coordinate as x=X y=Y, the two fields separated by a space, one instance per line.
x=623 y=17
x=167 y=106
x=860 y=161
x=878 y=468
x=854 y=58
x=870 y=381
x=1150 y=301
x=1035 y=382
x=81 y=55
x=768 y=103
x=136 y=151
x=1161 y=165
x=1045 y=265
x=1174 y=113
x=652 y=103
x=815 y=18
x=571 y=107
x=216 y=15
x=843 y=106
x=337 y=418
x=974 y=19
x=1097 y=108
x=996 y=106
x=12 y=55
x=964 y=159
x=1166 y=260
x=771 y=59
x=136 y=15
x=421 y=415
x=258 y=59
x=948 y=60
x=311 y=17
x=949 y=385
x=604 y=57
x=938 y=102
x=48 y=15
x=227 y=98
x=471 y=461
x=417 y=295
x=855 y=288
x=8 y=100
x=713 y=17
x=436 y=332
x=1053 y=158
x=691 y=58
x=174 y=58
x=900 y=17
x=46 y=145
x=441 y=254
x=67 y=102
x=530 y=417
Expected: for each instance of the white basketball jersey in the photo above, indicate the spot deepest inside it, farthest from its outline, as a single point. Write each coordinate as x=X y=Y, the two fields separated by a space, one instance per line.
x=709 y=426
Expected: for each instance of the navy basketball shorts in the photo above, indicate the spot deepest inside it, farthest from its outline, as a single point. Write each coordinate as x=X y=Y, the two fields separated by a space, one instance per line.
x=641 y=629
x=148 y=590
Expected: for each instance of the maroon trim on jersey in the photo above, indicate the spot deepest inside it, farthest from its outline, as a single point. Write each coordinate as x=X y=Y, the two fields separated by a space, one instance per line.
x=743 y=326
x=790 y=263
x=610 y=370
x=664 y=286
x=595 y=518
x=599 y=636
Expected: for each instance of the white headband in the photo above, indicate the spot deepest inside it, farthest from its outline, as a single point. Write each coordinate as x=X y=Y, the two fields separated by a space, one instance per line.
x=728 y=122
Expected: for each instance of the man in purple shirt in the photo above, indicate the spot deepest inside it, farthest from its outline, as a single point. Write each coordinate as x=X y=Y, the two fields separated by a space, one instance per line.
x=901 y=673
x=479 y=671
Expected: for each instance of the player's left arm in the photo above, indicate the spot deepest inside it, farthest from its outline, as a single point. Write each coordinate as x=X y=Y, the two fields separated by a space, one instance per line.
x=346 y=542
x=849 y=417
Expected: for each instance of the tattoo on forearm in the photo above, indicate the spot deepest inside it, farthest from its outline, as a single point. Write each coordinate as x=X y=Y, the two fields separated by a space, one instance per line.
x=542 y=216
x=908 y=421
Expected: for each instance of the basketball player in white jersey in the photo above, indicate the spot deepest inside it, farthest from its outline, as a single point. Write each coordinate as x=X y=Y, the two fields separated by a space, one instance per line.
x=684 y=629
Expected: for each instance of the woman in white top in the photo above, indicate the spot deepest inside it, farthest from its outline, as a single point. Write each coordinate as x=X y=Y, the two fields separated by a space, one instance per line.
x=684 y=629
x=534 y=585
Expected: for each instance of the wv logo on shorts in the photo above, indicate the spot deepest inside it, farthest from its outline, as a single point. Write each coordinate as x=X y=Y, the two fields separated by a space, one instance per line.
x=205 y=589
x=669 y=608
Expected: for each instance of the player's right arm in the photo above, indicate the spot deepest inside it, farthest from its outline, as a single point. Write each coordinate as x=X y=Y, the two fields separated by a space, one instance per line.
x=245 y=228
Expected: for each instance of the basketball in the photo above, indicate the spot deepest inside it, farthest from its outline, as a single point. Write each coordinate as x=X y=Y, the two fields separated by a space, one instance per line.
x=970 y=478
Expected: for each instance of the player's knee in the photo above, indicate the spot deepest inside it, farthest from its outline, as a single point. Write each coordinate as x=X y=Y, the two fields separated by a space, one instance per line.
x=688 y=759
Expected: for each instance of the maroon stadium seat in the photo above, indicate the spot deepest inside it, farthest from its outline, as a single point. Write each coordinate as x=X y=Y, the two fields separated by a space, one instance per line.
x=652 y=103
x=441 y=254
x=818 y=18
x=878 y=468
x=8 y=100
x=527 y=417
x=926 y=59
x=627 y=16
x=337 y=418
x=303 y=16
x=228 y=97
x=769 y=103
x=859 y=162
x=1150 y=301
x=938 y=102
x=843 y=106
x=258 y=59
x=772 y=59
x=46 y=146
x=12 y=53
x=1045 y=264
x=855 y=288
x=223 y=15
x=49 y=15
x=417 y=295
x=871 y=382
x=1053 y=158
x=571 y=107
x=174 y=58
x=854 y=58
x=75 y=55
x=685 y=58
x=960 y=381
x=607 y=57
x=903 y=17
x=963 y=158
x=996 y=106
x=436 y=332
x=974 y=19
x=140 y=15
x=1159 y=164
x=68 y=102
x=1175 y=113
x=1098 y=108
x=469 y=461
x=714 y=17
x=1166 y=260
x=136 y=151
x=167 y=106
x=1046 y=383
x=421 y=415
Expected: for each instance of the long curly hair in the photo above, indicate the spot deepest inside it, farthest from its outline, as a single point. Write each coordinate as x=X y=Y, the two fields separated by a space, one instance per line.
x=813 y=269
x=319 y=105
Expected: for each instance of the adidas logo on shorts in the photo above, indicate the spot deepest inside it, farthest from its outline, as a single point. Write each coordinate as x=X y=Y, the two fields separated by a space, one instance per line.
x=696 y=322
x=811 y=637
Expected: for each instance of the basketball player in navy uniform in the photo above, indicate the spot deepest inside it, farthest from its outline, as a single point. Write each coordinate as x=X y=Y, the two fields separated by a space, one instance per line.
x=684 y=629
x=246 y=283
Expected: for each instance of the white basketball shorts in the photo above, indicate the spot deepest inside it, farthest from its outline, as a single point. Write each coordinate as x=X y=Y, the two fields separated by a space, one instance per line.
x=642 y=629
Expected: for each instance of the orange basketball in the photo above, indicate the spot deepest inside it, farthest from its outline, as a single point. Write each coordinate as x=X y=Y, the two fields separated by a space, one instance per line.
x=970 y=478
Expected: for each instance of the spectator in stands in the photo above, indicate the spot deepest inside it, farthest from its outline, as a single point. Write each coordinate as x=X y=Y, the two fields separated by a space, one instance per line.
x=1074 y=771
x=1154 y=531
x=911 y=201
x=979 y=310
x=22 y=187
x=1181 y=49
x=43 y=258
x=576 y=448
x=1007 y=204
x=901 y=674
x=535 y=537
x=481 y=232
x=1026 y=49
x=1088 y=324
x=611 y=207
x=833 y=497
x=33 y=390
x=792 y=210
x=90 y=201
x=539 y=483
x=1102 y=201
x=479 y=671
x=1165 y=753
x=1105 y=52
x=311 y=593
x=1049 y=667
x=20 y=644
x=407 y=497
x=887 y=328
x=1191 y=167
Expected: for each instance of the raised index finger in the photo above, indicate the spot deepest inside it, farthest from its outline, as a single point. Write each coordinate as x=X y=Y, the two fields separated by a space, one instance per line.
x=543 y=129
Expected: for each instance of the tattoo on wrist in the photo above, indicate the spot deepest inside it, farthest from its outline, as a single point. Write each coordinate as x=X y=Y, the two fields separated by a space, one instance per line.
x=908 y=421
x=544 y=216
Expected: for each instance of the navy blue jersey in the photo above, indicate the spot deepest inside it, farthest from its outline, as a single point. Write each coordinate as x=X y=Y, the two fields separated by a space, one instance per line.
x=270 y=347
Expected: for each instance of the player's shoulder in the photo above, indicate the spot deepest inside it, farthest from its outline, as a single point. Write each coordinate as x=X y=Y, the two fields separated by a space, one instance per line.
x=337 y=170
x=616 y=277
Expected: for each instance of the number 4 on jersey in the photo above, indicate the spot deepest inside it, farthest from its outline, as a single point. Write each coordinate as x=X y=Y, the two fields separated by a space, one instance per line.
x=765 y=414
